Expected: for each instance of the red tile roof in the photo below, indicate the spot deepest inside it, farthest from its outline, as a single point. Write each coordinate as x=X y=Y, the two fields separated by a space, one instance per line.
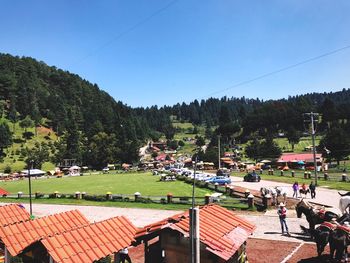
x=292 y=157
x=10 y=214
x=221 y=230
x=17 y=237
x=3 y=192
x=92 y=242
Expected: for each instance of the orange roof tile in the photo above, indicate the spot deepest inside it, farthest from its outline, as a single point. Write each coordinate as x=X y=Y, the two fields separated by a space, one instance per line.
x=14 y=213
x=221 y=230
x=17 y=237
x=92 y=242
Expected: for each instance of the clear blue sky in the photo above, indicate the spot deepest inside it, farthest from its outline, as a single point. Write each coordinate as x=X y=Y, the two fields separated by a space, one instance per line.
x=191 y=49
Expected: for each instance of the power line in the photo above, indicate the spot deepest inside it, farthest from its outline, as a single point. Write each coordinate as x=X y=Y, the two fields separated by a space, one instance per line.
x=127 y=31
x=280 y=70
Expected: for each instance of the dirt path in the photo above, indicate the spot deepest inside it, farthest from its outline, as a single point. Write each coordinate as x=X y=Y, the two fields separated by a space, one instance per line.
x=324 y=196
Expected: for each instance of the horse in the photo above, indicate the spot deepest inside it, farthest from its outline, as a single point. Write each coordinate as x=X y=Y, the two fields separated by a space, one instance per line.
x=304 y=192
x=312 y=216
x=322 y=235
x=271 y=191
x=344 y=202
x=281 y=192
x=338 y=242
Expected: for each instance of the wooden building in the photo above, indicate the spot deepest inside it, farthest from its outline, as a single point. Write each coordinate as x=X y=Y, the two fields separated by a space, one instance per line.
x=222 y=237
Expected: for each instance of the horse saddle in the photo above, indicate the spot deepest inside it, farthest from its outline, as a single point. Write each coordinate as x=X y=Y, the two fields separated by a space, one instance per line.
x=345 y=229
x=329 y=225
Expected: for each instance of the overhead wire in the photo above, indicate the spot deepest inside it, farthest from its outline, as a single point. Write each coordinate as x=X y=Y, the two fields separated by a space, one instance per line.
x=268 y=74
x=127 y=31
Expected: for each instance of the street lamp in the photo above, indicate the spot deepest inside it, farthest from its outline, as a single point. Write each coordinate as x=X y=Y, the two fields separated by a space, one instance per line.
x=30 y=166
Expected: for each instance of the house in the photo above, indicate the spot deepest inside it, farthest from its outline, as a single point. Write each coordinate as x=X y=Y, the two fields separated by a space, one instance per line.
x=11 y=214
x=300 y=159
x=3 y=192
x=89 y=243
x=222 y=237
x=21 y=239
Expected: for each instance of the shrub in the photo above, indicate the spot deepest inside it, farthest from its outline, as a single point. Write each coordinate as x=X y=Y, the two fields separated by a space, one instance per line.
x=98 y=198
x=163 y=201
x=62 y=196
x=117 y=198
x=7 y=169
x=27 y=135
x=39 y=195
x=126 y=199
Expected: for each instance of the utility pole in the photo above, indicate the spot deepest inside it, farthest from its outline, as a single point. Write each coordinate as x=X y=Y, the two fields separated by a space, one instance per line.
x=313 y=118
x=30 y=166
x=194 y=222
x=219 y=150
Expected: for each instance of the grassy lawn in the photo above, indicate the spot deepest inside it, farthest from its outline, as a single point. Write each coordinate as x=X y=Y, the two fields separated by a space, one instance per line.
x=126 y=183
x=287 y=178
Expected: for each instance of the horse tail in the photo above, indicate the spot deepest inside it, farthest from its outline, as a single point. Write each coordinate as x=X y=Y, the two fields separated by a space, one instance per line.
x=341 y=194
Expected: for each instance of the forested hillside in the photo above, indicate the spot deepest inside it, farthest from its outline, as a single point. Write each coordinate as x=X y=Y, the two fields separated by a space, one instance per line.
x=74 y=108
x=95 y=129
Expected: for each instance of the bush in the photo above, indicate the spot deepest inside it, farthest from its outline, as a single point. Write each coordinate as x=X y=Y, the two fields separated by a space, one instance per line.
x=27 y=135
x=62 y=196
x=7 y=169
x=163 y=201
x=52 y=195
x=97 y=198
x=126 y=199
x=145 y=200
x=117 y=198
x=188 y=180
x=181 y=143
x=39 y=195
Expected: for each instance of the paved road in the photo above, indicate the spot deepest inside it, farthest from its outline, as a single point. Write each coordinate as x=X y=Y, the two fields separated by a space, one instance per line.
x=324 y=196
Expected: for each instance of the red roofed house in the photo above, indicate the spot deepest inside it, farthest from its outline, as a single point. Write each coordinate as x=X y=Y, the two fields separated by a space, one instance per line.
x=11 y=214
x=21 y=239
x=222 y=237
x=90 y=243
x=3 y=192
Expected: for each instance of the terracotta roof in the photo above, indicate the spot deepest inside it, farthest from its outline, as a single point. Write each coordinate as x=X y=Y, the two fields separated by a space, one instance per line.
x=3 y=192
x=290 y=157
x=17 y=237
x=10 y=214
x=92 y=242
x=221 y=230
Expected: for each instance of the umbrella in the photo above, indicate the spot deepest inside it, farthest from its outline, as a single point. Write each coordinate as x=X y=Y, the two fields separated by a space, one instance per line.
x=265 y=161
x=301 y=162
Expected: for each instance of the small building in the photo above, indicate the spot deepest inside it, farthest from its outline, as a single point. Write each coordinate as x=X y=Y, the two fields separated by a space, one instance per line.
x=3 y=192
x=33 y=172
x=222 y=237
x=21 y=239
x=89 y=243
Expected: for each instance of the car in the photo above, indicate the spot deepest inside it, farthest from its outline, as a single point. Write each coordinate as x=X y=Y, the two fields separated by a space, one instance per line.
x=252 y=177
x=223 y=172
x=221 y=180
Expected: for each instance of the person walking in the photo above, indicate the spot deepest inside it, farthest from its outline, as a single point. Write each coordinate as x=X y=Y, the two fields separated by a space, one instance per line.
x=282 y=213
x=295 y=189
x=312 y=188
x=124 y=255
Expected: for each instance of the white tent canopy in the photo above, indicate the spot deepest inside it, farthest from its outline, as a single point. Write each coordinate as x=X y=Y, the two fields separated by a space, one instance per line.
x=33 y=172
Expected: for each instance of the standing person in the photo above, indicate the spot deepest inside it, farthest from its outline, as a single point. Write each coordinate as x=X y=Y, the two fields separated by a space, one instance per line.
x=282 y=213
x=295 y=189
x=312 y=188
x=124 y=255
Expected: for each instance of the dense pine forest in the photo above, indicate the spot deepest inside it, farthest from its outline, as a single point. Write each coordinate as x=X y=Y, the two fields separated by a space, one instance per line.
x=94 y=128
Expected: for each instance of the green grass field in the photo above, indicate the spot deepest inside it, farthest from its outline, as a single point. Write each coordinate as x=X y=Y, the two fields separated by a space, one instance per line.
x=126 y=183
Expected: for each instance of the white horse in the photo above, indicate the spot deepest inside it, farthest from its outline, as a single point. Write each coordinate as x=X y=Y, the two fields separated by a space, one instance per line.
x=344 y=202
x=281 y=192
x=269 y=190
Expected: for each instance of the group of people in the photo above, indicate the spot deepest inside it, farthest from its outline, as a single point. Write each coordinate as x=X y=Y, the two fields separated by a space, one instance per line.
x=297 y=191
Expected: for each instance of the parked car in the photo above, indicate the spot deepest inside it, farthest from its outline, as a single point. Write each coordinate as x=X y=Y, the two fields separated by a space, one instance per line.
x=252 y=177
x=223 y=172
x=220 y=180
